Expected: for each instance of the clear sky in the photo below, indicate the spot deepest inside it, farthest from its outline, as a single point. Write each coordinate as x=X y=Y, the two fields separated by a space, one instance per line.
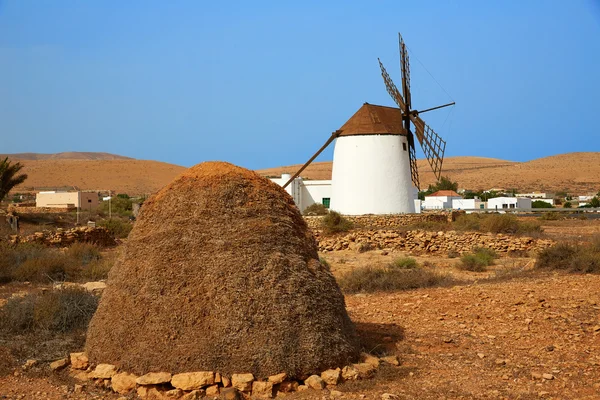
x=264 y=83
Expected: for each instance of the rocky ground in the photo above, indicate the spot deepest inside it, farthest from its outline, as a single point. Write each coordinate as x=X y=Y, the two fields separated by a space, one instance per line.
x=510 y=333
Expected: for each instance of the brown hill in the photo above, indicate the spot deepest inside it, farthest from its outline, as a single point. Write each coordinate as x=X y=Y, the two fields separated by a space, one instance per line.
x=69 y=155
x=575 y=172
x=133 y=177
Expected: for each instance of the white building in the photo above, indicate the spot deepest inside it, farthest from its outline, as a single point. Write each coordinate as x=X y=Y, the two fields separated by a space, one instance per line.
x=307 y=192
x=440 y=200
x=500 y=203
x=371 y=169
x=56 y=199
x=468 y=204
x=535 y=195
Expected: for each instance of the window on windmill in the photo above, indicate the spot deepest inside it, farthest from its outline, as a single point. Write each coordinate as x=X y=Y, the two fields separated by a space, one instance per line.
x=403 y=146
x=326 y=201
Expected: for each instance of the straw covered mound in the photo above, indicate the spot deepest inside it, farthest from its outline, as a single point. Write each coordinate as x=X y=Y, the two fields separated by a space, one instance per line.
x=221 y=273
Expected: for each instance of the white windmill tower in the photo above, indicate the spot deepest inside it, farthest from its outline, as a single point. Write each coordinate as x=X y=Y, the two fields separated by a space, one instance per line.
x=374 y=160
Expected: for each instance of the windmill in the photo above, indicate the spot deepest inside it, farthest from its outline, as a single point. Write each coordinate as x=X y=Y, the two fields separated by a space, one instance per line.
x=374 y=160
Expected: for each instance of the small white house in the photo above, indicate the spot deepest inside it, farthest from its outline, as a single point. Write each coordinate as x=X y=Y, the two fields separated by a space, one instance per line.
x=56 y=199
x=440 y=200
x=536 y=195
x=503 y=203
x=468 y=204
x=306 y=193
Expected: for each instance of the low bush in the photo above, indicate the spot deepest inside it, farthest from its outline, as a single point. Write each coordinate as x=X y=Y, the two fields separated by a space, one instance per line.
x=570 y=257
x=550 y=216
x=316 y=209
x=478 y=260
x=334 y=222
x=404 y=263
x=97 y=269
x=468 y=222
x=117 y=227
x=56 y=311
x=84 y=253
x=389 y=279
x=495 y=223
x=541 y=204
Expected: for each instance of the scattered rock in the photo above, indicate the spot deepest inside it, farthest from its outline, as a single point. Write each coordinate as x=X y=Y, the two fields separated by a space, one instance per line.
x=369 y=359
x=391 y=360
x=29 y=363
x=389 y=396
x=349 y=373
x=123 y=382
x=277 y=379
x=212 y=390
x=59 y=364
x=104 y=371
x=193 y=380
x=79 y=361
x=242 y=382
x=365 y=370
x=263 y=390
x=548 y=377
x=154 y=378
x=230 y=393
x=315 y=382
x=331 y=376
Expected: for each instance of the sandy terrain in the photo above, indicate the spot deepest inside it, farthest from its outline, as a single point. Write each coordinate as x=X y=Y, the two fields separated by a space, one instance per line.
x=509 y=333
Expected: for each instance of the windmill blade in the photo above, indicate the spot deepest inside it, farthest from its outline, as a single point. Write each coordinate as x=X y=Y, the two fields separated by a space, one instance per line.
x=405 y=68
x=333 y=136
x=432 y=144
x=412 y=156
x=391 y=87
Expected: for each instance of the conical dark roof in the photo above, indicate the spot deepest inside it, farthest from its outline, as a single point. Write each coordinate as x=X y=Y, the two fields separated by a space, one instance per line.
x=374 y=120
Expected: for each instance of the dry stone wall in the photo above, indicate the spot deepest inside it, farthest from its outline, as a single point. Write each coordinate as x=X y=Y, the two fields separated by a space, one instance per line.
x=419 y=242
x=61 y=238
x=386 y=232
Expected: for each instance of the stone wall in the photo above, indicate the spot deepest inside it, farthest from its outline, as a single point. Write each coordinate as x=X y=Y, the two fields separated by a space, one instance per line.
x=40 y=210
x=388 y=221
x=419 y=242
x=61 y=238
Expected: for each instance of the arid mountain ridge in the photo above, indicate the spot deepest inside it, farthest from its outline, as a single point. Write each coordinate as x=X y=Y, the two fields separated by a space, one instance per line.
x=577 y=173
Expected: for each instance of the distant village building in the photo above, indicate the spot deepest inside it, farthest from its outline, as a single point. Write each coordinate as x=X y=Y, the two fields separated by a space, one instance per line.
x=306 y=192
x=468 y=204
x=440 y=200
x=535 y=195
x=500 y=203
x=57 y=199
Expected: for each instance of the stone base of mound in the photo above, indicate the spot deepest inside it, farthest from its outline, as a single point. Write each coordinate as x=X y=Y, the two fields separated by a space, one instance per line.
x=198 y=384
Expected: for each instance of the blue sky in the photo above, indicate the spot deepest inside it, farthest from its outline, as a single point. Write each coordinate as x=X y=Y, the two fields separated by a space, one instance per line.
x=264 y=83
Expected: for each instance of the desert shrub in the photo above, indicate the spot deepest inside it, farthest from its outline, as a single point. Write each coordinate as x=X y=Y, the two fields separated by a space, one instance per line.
x=56 y=311
x=550 y=216
x=500 y=223
x=334 y=222
x=316 y=209
x=97 y=269
x=541 y=204
x=568 y=204
x=389 y=279
x=120 y=205
x=404 y=263
x=570 y=257
x=453 y=254
x=49 y=268
x=324 y=263
x=30 y=261
x=468 y=222
x=363 y=247
x=117 y=227
x=478 y=260
x=84 y=253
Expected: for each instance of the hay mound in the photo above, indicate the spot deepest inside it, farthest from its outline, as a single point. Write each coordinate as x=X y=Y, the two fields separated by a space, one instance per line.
x=221 y=273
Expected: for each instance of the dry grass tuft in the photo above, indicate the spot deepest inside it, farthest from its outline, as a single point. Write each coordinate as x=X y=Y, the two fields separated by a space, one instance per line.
x=571 y=257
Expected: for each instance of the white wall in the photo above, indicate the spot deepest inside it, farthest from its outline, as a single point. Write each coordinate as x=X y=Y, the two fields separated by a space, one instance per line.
x=371 y=175
x=314 y=192
x=466 y=204
x=438 y=202
x=67 y=199
x=508 y=203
